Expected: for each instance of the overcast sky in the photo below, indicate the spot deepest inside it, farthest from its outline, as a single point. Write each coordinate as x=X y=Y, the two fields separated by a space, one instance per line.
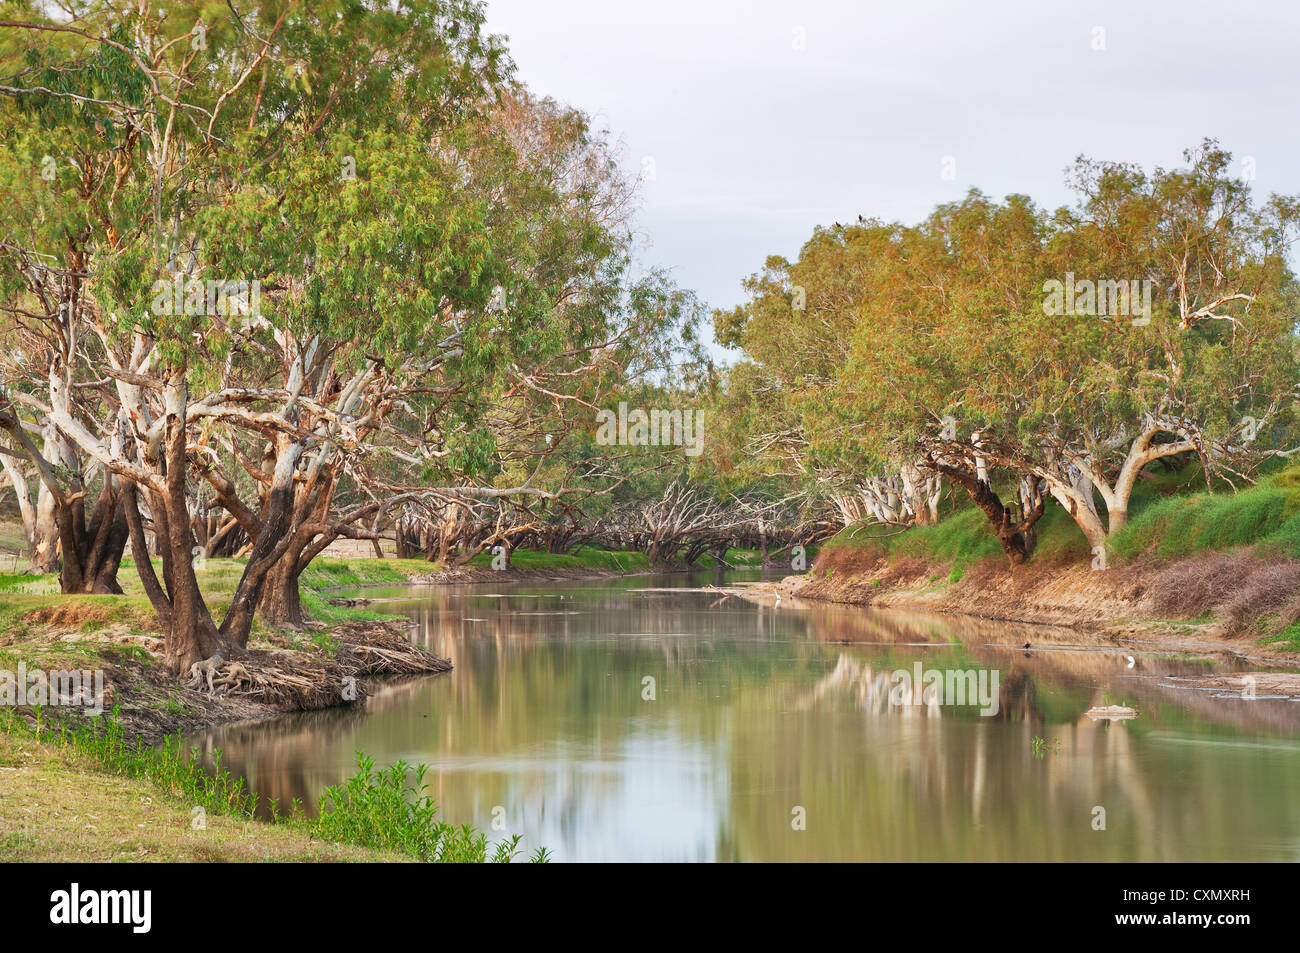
x=759 y=120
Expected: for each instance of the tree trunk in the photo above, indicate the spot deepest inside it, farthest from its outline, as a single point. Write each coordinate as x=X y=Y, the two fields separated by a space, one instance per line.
x=1084 y=515
x=279 y=533
x=280 y=603
x=46 y=543
x=918 y=494
x=1030 y=491
x=190 y=636
x=40 y=531
x=92 y=553
x=194 y=644
x=1014 y=530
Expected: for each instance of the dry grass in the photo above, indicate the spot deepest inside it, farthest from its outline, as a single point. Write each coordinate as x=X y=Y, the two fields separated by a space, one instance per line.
x=1238 y=588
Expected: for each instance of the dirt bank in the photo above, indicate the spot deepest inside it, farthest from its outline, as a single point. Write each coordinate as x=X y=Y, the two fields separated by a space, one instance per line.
x=1242 y=600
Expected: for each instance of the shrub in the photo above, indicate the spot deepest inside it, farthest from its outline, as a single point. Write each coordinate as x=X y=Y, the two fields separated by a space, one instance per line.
x=380 y=809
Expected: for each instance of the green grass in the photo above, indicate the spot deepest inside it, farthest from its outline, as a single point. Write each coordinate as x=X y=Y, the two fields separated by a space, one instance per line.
x=1171 y=515
x=1288 y=638
x=317 y=608
x=32 y=585
x=171 y=768
x=587 y=557
x=27 y=599
x=330 y=573
x=961 y=539
x=748 y=558
x=378 y=810
x=1265 y=514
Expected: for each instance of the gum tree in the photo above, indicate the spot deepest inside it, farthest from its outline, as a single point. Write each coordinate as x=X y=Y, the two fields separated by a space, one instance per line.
x=440 y=381
x=956 y=349
x=786 y=403
x=154 y=125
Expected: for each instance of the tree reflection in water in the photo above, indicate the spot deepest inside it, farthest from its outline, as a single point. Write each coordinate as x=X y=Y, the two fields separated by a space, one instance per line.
x=758 y=711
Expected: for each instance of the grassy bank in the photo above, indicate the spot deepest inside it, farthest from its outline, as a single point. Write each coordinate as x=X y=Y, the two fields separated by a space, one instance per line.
x=596 y=559
x=88 y=793
x=1226 y=561
x=88 y=788
x=55 y=807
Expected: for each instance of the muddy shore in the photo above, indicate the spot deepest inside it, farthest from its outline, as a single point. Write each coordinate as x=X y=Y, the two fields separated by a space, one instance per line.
x=1122 y=604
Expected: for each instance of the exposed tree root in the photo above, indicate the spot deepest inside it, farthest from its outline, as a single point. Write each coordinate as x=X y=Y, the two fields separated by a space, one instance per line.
x=301 y=681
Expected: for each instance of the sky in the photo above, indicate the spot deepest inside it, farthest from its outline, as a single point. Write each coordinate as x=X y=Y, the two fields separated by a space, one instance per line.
x=753 y=121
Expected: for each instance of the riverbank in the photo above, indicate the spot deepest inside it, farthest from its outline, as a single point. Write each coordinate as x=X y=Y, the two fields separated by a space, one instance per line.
x=134 y=799
x=1243 y=600
x=113 y=781
x=1219 y=567
x=344 y=643
x=119 y=785
x=57 y=807
x=331 y=659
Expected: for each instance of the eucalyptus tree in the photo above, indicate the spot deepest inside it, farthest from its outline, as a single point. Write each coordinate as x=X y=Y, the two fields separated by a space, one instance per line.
x=161 y=125
x=786 y=407
x=1054 y=355
x=1164 y=325
x=465 y=407
x=933 y=366
x=1196 y=352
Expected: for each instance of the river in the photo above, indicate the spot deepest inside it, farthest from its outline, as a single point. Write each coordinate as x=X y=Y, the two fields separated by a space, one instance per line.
x=650 y=719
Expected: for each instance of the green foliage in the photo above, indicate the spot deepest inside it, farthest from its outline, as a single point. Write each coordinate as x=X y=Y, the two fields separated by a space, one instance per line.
x=882 y=342
x=1288 y=639
x=380 y=808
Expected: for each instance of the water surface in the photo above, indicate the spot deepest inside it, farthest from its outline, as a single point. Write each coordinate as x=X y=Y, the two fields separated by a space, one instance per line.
x=623 y=720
